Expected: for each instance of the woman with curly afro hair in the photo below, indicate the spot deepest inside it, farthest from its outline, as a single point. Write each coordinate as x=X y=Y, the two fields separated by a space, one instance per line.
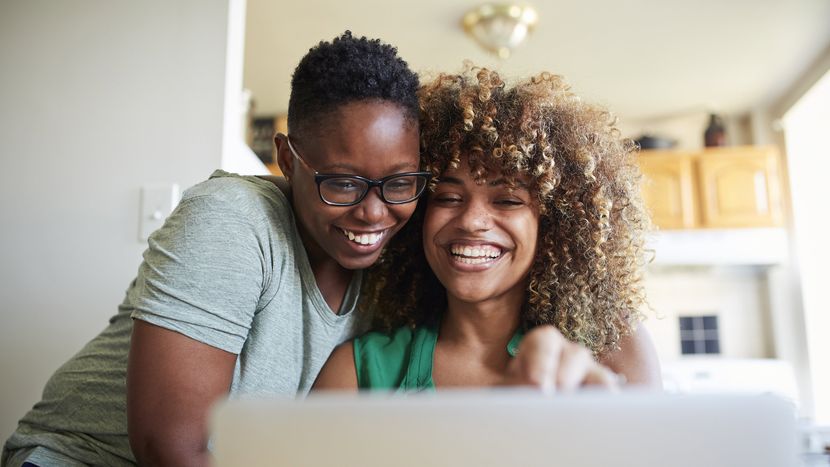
x=524 y=266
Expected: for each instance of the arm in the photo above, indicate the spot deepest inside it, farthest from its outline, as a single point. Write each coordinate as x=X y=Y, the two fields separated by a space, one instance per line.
x=172 y=381
x=636 y=359
x=339 y=371
x=193 y=305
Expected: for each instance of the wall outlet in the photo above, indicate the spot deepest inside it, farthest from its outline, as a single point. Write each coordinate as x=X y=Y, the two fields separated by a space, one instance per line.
x=157 y=201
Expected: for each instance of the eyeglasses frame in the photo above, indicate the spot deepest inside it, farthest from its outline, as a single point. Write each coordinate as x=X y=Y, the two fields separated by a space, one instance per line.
x=319 y=178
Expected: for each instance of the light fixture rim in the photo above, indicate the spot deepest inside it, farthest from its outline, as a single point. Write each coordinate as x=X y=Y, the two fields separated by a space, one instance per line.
x=523 y=13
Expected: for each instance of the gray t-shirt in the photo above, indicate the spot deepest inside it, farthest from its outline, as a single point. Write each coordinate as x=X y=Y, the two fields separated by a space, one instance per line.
x=228 y=268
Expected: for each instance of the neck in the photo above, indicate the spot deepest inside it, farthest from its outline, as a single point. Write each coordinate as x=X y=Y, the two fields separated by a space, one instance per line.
x=472 y=343
x=332 y=279
x=487 y=324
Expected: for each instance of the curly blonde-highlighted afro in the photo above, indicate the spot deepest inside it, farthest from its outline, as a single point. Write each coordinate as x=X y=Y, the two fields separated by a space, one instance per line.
x=586 y=278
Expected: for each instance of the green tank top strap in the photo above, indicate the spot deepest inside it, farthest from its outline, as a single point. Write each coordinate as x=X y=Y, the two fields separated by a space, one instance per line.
x=419 y=374
x=402 y=360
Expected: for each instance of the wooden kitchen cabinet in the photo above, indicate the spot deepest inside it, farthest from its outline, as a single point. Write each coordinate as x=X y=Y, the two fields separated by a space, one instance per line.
x=728 y=187
x=668 y=188
x=740 y=187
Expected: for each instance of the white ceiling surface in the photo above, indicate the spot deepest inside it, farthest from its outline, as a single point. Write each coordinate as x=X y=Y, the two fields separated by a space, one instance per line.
x=640 y=58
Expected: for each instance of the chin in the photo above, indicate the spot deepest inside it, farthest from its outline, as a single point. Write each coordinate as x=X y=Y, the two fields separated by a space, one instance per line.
x=353 y=263
x=468 y=294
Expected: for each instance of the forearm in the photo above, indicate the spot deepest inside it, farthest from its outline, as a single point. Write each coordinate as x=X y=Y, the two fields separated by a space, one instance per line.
x=166 y=453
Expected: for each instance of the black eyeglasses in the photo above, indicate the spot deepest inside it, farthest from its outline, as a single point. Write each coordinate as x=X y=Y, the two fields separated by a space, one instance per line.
x=348 y=190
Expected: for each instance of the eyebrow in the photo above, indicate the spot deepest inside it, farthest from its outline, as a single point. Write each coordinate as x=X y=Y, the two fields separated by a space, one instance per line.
x=352 y=170
x=450 y=180
x=498 y=182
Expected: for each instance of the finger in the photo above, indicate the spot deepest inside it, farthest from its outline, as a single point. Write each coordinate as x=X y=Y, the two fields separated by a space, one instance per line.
x=600 y=375
x=538 y=357
x=575 y=363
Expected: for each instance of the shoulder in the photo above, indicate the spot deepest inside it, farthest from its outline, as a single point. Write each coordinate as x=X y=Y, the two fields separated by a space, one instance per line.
x=246 y=206
x=383 y=359
x=385 y=343
x=375 y=360
x=339 y=370
x=636 y=359
x=247 y=195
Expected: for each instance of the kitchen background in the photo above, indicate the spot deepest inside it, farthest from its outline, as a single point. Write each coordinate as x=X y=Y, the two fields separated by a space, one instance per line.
x=110 y=108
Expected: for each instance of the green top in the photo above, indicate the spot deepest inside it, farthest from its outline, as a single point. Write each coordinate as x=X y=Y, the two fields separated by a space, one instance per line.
x=402 y=360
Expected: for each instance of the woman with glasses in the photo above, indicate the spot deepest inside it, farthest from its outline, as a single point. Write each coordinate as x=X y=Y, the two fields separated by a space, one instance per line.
x=524 y=265
x=245 y=289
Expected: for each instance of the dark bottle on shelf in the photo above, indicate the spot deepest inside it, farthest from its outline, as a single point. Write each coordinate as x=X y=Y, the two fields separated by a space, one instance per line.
x=715 y=134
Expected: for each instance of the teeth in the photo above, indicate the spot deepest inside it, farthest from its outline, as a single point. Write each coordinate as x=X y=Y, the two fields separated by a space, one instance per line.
x=480 y=252
x=464 y=260
x=363 y=239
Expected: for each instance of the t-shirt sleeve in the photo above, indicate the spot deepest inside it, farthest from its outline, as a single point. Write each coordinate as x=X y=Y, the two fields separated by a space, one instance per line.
x=203 y=273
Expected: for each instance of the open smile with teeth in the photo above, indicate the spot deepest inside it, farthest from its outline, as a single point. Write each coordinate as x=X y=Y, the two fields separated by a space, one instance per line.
x=475 y=254
x=363 y=239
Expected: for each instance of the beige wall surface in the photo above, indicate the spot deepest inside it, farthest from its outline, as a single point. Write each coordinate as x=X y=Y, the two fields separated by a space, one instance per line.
x=98 y=98
x=737 y=295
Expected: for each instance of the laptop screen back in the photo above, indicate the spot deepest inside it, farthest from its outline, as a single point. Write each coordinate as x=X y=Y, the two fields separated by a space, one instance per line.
x=499 y=428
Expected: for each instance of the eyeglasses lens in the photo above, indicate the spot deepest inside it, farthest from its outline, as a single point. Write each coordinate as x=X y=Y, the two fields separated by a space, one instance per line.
x=342 y=190
x=346 y=190
x=404 y=188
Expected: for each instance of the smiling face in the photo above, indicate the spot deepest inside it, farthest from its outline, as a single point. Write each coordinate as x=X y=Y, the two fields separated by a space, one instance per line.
x=480 y=239
x=373 y=139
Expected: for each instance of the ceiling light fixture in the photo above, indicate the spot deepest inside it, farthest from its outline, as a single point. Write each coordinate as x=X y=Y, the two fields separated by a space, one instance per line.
x=500 y=27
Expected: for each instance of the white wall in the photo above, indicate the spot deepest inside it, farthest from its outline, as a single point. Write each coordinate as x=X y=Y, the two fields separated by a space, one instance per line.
x=806 y=126
x=686 y=128
x=735 y=294
x=97 y=97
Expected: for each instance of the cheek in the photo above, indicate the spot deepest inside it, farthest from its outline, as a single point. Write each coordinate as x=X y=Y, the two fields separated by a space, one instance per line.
x=431 y=228
x=401 y=212
x=318 y=214
x=305 y=196
x=533 y=234
x=529 y=229
x=433 y=222
x=428 y=239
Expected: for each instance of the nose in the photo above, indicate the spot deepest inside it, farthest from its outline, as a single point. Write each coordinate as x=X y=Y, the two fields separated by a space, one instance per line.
x=372 y=209
x=475 y=217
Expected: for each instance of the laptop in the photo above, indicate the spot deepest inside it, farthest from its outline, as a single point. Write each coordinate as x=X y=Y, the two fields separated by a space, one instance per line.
x=507 y=428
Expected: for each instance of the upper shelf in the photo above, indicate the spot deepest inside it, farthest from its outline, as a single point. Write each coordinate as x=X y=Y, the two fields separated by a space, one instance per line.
x=751 y=247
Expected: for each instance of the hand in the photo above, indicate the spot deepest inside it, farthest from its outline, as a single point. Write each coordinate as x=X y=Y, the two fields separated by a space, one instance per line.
x=550 y=362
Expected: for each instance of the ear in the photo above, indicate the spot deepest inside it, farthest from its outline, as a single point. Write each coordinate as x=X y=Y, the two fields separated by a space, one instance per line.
x=285 y=159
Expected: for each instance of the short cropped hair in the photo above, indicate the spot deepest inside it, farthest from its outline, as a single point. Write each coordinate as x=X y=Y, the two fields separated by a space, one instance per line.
x=349 y=69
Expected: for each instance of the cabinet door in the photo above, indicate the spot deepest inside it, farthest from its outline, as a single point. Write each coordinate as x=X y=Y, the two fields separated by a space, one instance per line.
x=668 y=188
x=740 y=187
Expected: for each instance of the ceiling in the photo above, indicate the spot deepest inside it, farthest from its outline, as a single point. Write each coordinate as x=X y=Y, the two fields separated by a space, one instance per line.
x=640 y=58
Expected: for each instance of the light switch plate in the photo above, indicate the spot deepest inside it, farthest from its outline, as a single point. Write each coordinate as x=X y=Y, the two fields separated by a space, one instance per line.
x=157 y=201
